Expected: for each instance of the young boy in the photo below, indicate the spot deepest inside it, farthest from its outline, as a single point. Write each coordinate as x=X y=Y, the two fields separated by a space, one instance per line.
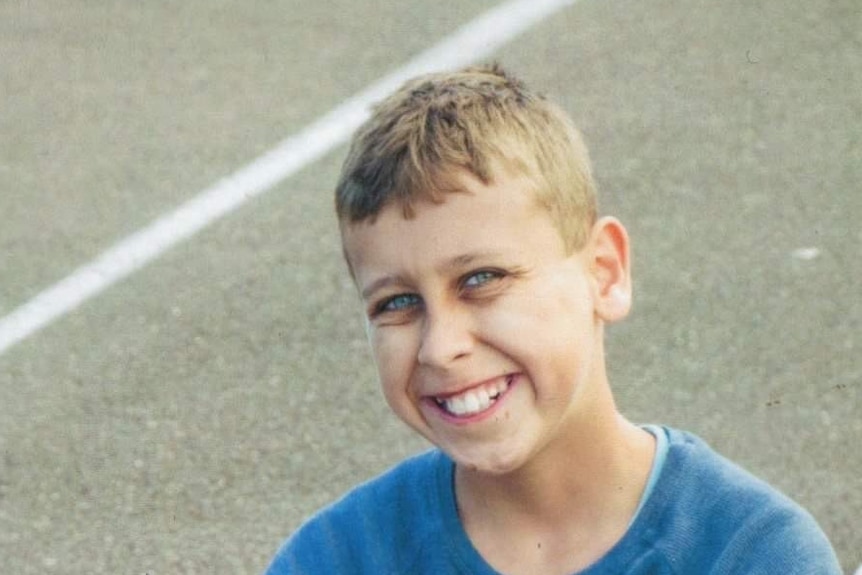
x=468 y=219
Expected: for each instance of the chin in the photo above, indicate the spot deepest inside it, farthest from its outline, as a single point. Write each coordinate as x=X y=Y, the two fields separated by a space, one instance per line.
x=489 y=463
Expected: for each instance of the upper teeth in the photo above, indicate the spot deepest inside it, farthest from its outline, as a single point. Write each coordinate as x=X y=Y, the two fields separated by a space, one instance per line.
x=474 y=400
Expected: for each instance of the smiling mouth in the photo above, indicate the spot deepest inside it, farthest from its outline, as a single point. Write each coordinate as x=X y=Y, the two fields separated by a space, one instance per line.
x=475 y=400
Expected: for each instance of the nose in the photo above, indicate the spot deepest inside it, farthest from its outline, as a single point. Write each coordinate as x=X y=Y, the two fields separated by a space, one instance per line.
x=446 y=336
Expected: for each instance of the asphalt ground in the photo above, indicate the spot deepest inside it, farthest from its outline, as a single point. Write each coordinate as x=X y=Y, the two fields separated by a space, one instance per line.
x=186 y=420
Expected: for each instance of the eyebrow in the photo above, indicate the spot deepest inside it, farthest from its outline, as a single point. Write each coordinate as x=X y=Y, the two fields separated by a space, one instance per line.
x=465 y=260
x=461 y=261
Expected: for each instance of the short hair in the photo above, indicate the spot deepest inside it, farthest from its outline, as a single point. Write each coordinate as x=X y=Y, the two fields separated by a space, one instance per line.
x=482 y=120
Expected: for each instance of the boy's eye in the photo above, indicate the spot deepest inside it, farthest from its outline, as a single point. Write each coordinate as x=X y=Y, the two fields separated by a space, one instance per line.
x=480 y=278
x=397 y=303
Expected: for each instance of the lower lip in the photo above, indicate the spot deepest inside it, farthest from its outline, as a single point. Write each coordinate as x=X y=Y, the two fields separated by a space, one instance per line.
x=476 y=417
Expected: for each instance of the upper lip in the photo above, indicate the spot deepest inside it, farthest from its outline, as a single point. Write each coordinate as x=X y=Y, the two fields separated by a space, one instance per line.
x=452 y=391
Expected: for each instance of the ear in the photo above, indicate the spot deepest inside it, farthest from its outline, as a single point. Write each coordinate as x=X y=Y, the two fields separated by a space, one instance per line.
x=611 y=269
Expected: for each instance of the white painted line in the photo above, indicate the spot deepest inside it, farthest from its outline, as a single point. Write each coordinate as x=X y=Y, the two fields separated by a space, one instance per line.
x=474 y=41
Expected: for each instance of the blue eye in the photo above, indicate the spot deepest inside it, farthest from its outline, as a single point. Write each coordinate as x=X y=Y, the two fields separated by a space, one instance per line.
x=480 y=278
x=399 y=302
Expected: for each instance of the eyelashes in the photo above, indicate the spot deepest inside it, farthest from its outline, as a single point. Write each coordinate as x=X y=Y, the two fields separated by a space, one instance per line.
x=473 y=285
x=480 y=278
x=399 y=302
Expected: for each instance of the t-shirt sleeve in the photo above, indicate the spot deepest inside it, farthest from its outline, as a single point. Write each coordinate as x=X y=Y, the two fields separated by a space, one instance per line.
x=709 y=516
x=785 y=541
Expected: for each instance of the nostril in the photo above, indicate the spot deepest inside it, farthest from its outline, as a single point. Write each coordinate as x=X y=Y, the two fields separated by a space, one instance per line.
x=445 y=338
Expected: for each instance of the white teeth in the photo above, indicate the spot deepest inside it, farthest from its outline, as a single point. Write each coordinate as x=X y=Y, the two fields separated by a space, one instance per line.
x=473 y=403
x=475 y=400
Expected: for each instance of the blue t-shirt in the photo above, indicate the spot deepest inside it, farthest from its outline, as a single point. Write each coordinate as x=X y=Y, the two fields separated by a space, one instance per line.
x=704 y=515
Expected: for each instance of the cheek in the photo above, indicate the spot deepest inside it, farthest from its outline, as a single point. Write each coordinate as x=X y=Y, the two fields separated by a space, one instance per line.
x=392 y=356
x=537 y=320
x=549 y=333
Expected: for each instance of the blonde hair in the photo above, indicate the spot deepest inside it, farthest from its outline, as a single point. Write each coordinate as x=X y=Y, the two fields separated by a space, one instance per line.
x=481 y=120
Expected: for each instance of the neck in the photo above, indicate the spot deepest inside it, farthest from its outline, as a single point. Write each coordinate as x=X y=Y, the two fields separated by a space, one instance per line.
x=593 y=474
x=599 y=474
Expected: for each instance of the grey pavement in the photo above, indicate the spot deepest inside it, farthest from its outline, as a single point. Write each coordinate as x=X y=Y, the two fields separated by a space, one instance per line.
x=189 y=418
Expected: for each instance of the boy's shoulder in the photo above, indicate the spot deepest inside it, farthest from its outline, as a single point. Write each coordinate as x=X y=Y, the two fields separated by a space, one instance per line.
x=383 y=524
x=709 y=514
x=711 y=484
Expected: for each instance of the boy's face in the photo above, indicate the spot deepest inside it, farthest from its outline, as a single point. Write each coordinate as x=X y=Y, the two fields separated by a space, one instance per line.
x=484 y=330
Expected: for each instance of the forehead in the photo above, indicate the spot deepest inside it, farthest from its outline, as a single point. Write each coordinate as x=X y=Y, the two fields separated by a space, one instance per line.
x=502 y=219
